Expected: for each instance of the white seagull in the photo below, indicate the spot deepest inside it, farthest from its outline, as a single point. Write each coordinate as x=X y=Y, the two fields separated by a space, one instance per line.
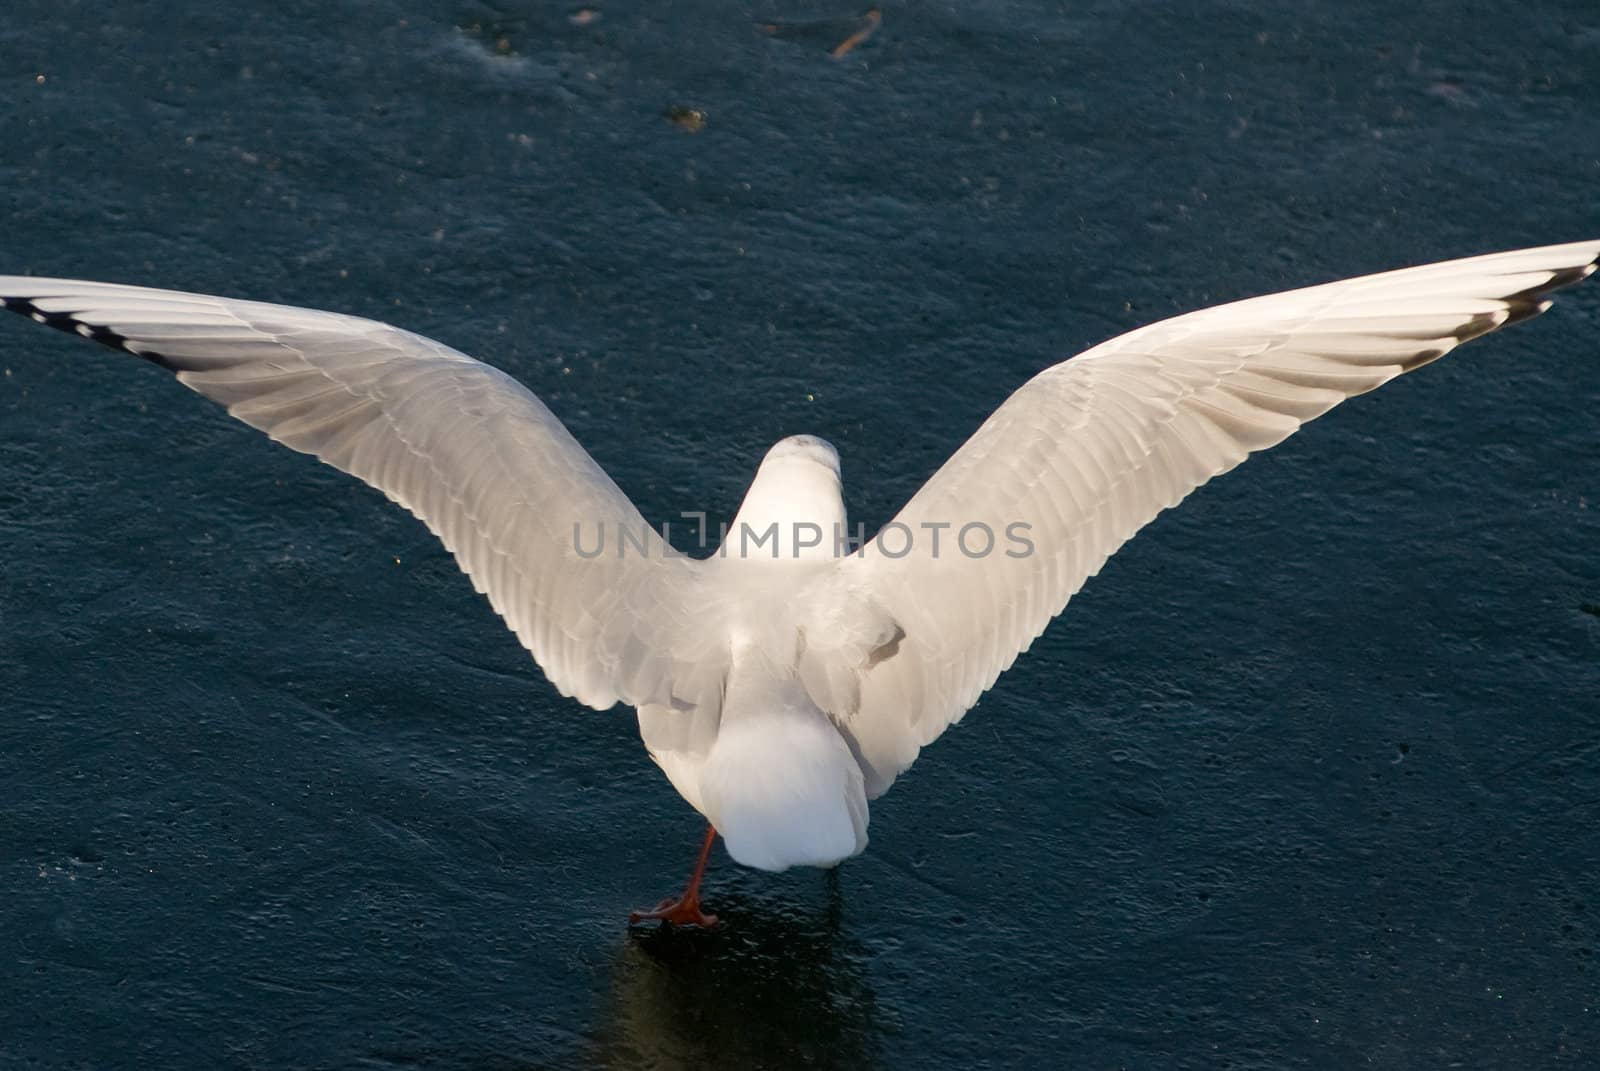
x=787 y=680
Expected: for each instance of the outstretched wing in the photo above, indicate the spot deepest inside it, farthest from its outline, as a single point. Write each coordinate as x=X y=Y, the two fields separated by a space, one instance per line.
x=466 y=448
x=1089 y=451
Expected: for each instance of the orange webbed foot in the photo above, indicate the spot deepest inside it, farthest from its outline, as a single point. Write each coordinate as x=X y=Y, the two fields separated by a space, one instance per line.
x=684 y=911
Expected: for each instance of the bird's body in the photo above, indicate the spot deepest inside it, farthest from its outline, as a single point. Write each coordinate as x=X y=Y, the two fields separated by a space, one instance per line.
x=774 y=776
x=785 y=681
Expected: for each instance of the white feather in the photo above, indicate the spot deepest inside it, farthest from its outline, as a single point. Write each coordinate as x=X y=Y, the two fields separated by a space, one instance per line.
x=780 y=685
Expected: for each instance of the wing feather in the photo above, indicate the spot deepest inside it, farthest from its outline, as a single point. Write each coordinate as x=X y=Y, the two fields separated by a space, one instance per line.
x=466 y=448
x=1090 y=450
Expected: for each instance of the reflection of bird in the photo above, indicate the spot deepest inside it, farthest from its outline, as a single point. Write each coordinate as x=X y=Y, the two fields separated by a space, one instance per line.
x=779 y=985
x=782 y=683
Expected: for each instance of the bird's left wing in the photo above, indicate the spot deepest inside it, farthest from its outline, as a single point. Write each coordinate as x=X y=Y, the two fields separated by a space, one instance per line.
x=1090 y=450
x=465 y=447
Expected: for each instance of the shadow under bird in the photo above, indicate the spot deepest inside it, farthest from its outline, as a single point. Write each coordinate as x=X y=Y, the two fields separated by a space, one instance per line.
x=785 y=681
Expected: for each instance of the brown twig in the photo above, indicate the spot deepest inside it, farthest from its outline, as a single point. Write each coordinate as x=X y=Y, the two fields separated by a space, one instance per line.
x=872 y=20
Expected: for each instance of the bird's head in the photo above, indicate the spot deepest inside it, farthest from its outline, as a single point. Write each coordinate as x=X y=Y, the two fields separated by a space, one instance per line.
x=798 y=490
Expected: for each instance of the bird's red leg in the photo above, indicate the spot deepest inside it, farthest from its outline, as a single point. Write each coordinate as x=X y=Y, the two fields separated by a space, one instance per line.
x=685 y=910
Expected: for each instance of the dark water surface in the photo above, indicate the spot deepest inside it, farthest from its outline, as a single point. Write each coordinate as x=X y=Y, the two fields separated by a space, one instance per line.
x=1306 y=779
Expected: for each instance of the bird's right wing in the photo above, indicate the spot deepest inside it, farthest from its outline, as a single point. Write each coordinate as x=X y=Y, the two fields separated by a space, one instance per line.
x=1090 y=450
x=466 y=448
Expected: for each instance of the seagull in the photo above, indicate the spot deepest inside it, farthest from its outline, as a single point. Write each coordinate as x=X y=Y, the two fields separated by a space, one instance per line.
x=788 y=678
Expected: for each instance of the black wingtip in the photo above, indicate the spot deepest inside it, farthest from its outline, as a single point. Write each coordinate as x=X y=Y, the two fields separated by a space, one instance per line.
x=65 y=321
x=1526 y=304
